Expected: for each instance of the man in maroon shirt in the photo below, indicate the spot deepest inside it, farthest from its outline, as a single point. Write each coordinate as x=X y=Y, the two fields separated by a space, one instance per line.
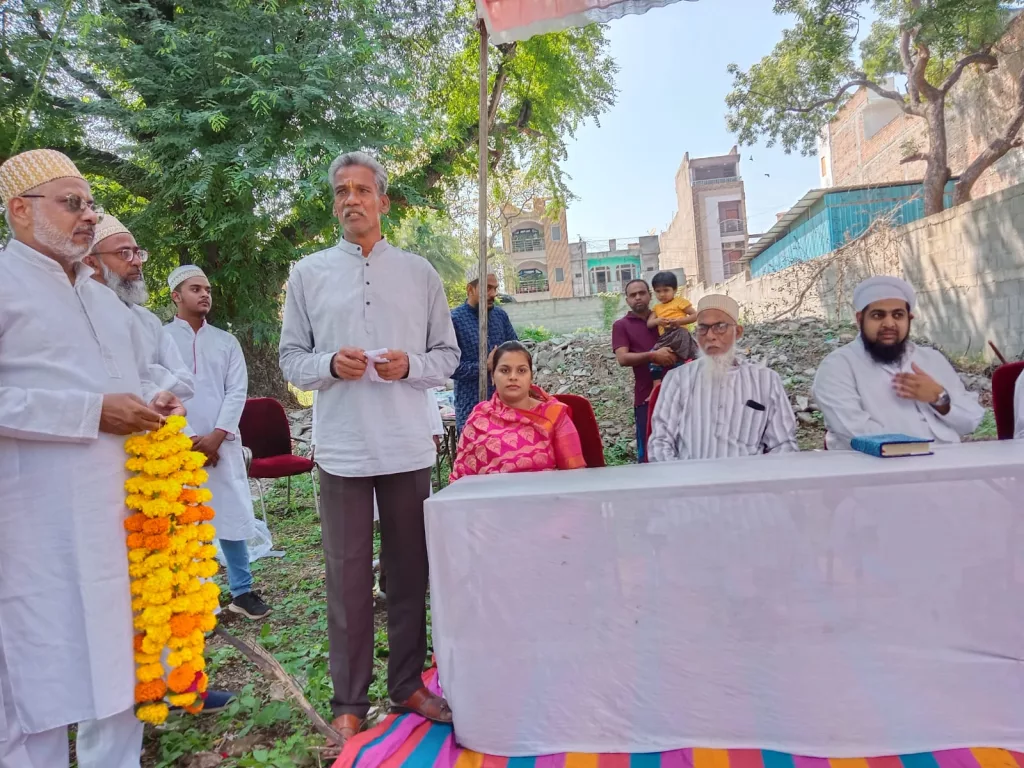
x=633 y=343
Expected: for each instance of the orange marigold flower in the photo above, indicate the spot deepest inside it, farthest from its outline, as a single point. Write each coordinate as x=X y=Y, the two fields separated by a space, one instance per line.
x=189 y=516
x=135 y=522
x=136 y=541
x=153 y=691
x=157 y=526
x=160 y=541
x=182 y=679
x=196 y=708
x=203 y=682
x=137 y=642
x=182 y=624
x=206 y=513
x=189 y=496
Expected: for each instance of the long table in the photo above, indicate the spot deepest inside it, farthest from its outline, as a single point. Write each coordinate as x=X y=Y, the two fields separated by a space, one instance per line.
x=824 y=604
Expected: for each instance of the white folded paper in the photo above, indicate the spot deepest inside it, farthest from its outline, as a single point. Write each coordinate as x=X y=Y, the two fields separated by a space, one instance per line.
x=376 y=356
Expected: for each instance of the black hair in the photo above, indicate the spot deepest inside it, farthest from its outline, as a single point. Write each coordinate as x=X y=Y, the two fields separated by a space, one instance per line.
x=665 y=280
x=637 y=280
x=511 y=346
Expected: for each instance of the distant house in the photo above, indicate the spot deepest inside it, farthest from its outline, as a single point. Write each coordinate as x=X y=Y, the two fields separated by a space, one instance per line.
x=599 y=268
x=825 y=219
x=535 y=240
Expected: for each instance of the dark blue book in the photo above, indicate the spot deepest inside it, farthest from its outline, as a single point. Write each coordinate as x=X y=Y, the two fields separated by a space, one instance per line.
x=889 y=446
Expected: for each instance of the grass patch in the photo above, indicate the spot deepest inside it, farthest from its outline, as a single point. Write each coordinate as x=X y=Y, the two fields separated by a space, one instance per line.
x=535 y=333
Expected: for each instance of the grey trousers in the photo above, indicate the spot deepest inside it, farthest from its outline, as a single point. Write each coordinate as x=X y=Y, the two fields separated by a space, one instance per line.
x=346 y=521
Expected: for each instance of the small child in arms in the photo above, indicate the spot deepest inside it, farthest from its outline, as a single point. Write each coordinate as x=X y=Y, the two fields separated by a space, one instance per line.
x=670 y=316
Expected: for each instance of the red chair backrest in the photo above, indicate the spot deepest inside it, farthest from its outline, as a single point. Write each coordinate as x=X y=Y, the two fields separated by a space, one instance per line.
x=1004 y=380
x=264 y=428
x=585 y=421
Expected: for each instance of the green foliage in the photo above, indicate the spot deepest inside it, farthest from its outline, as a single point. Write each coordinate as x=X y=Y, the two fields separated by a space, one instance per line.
x=792 y=93
x=208 y=125
x=535 y=333
x=610 y=304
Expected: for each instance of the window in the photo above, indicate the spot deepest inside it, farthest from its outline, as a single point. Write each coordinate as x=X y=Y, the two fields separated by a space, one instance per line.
x=559 y=274
x=824 y=167
x=529 y=239
x=624 y=273
x=556 y=233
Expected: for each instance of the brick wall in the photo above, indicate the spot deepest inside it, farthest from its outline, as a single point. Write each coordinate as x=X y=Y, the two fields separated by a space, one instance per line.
x=562 y=315
x=967 y=265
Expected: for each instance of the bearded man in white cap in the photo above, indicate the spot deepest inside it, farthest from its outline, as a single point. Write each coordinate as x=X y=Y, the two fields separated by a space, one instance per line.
x=720 y=406
x=222 y=384
x=117 y=262
x=72 y=382
x=883 y=383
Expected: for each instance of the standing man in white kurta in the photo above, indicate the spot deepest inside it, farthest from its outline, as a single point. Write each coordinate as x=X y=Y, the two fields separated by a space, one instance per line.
x=117 y=262
x=367 y=326
x=883 y=383
x=71 y=377
x=222 y=385
x=719 y=406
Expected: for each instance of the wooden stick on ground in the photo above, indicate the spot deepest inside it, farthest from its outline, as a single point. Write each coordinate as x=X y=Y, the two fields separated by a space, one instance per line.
x=998 y=353
x=270 y=666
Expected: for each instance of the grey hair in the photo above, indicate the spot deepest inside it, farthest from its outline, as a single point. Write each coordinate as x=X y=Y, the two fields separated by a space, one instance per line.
x=362 y=159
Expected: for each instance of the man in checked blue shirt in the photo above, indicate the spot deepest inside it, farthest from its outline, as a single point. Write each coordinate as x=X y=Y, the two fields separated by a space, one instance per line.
x=466 y=319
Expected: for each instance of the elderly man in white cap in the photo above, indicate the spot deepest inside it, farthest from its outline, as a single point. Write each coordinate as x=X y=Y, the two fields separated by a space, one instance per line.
x=117 y=263
x=881 y=382
x=72 y=382
x=720 y=406
x=222 y=384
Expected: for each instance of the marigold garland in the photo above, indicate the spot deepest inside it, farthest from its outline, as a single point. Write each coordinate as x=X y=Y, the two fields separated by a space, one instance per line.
x=169 y=556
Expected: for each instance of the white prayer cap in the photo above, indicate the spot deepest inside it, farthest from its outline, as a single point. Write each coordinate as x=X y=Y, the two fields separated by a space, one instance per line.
x=183 y=273
x=108 y=227
x=722 y=303
x=880 y=288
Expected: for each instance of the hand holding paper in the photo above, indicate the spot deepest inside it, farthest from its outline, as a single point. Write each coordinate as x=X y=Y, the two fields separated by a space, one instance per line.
x=389 y=364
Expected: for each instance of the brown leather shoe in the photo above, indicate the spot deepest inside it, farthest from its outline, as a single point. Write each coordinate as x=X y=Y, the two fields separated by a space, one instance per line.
x=347 y=726
x=425 y=704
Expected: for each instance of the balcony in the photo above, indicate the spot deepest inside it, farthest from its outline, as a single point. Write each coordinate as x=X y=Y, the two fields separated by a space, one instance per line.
x=710 y=182
x=532 y=285
x=732 y=226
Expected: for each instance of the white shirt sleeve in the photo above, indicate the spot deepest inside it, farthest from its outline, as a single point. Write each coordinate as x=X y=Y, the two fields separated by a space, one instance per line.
x=176 y=377
x=433 y=367
x=300 y=364
x=965 y=412
x=780 y=436
x=236 y=390
x=1018 y=409
x=835 y=392
x=662 y=444
x=436 y=424
x=56 y=415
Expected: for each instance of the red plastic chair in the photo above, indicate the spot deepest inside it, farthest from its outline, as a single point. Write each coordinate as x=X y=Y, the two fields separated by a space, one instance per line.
x=585 y=421
x=1004 y=380
x=265 y=431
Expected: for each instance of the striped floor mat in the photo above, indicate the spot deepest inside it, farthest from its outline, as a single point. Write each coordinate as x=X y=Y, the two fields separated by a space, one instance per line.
x=409 y=741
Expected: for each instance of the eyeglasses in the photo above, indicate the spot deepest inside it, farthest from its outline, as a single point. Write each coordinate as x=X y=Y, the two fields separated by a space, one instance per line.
x=76 y=204
x=718 y=328
x=127 y=254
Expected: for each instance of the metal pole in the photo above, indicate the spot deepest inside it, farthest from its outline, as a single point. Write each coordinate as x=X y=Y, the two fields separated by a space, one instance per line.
x=482 y=220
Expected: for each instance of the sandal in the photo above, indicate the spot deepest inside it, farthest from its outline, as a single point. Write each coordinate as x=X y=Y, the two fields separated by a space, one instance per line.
x=427 y=705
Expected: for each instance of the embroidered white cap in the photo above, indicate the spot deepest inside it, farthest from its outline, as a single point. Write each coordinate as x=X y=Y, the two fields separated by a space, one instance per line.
x=183 y=273
x=722 y=303
x=880 y=288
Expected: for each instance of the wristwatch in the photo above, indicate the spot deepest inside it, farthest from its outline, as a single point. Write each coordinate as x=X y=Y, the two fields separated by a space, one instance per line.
x=942 y=401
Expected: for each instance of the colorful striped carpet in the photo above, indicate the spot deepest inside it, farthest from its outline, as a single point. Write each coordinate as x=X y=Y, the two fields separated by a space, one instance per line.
x=409 y=741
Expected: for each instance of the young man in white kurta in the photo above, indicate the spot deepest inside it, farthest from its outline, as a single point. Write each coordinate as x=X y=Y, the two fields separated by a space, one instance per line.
x=719 y=407
x=221 y=383
x=883 y=383
x=71 y=377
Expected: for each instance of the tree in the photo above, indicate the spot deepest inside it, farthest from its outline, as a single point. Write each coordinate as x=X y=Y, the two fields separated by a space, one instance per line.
x=209 y=124
x=792 y=94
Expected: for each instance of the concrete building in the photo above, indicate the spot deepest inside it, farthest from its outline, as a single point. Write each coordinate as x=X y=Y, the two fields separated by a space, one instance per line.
x=536 y=243
x=608 y=270
x=708 y=234
x=870 y=135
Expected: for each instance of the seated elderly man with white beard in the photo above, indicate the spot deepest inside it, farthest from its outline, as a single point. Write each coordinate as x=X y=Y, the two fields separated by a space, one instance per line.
x=720 y=406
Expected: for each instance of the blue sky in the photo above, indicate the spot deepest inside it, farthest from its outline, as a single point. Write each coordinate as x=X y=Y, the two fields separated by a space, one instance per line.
x=672 y=85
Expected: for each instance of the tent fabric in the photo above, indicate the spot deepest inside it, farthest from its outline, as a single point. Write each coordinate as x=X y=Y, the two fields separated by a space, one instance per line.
x=509 y=20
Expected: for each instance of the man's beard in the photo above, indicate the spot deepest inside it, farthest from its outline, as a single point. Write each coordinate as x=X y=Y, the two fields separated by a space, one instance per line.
x=128 y=291
x=62 y=246
x=716 y=367
x=885 y=354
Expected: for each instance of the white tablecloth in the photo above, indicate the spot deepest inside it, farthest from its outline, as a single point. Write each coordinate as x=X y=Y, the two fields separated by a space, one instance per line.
x=825 y=604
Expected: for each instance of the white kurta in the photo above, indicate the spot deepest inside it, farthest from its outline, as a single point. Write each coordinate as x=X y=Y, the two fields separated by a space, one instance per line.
x=221 y=383
x=65 y=607
x=747 y=413
x=855 y=393
x=167 y=370
x=1018 y=409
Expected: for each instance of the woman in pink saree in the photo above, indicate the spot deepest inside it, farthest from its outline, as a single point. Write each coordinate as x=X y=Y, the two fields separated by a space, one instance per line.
x=521 y=428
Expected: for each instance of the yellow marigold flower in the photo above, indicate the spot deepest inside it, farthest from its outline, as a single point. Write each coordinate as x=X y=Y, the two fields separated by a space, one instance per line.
x=182 y=699
x=136 y=555
x=206 y=532
x=154 y=714
x=156 y=614
x=147 y=658
x=135 y=464
x=207 y=552
x=150 y=672
x=208 y=622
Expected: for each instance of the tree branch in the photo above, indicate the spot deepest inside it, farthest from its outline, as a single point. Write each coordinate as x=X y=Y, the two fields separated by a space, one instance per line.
x=917 y=157
x=918 y=74
x=84 y=78
x=908 y=65
x=860 y=80
x=983 y=58
x=994 y=151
